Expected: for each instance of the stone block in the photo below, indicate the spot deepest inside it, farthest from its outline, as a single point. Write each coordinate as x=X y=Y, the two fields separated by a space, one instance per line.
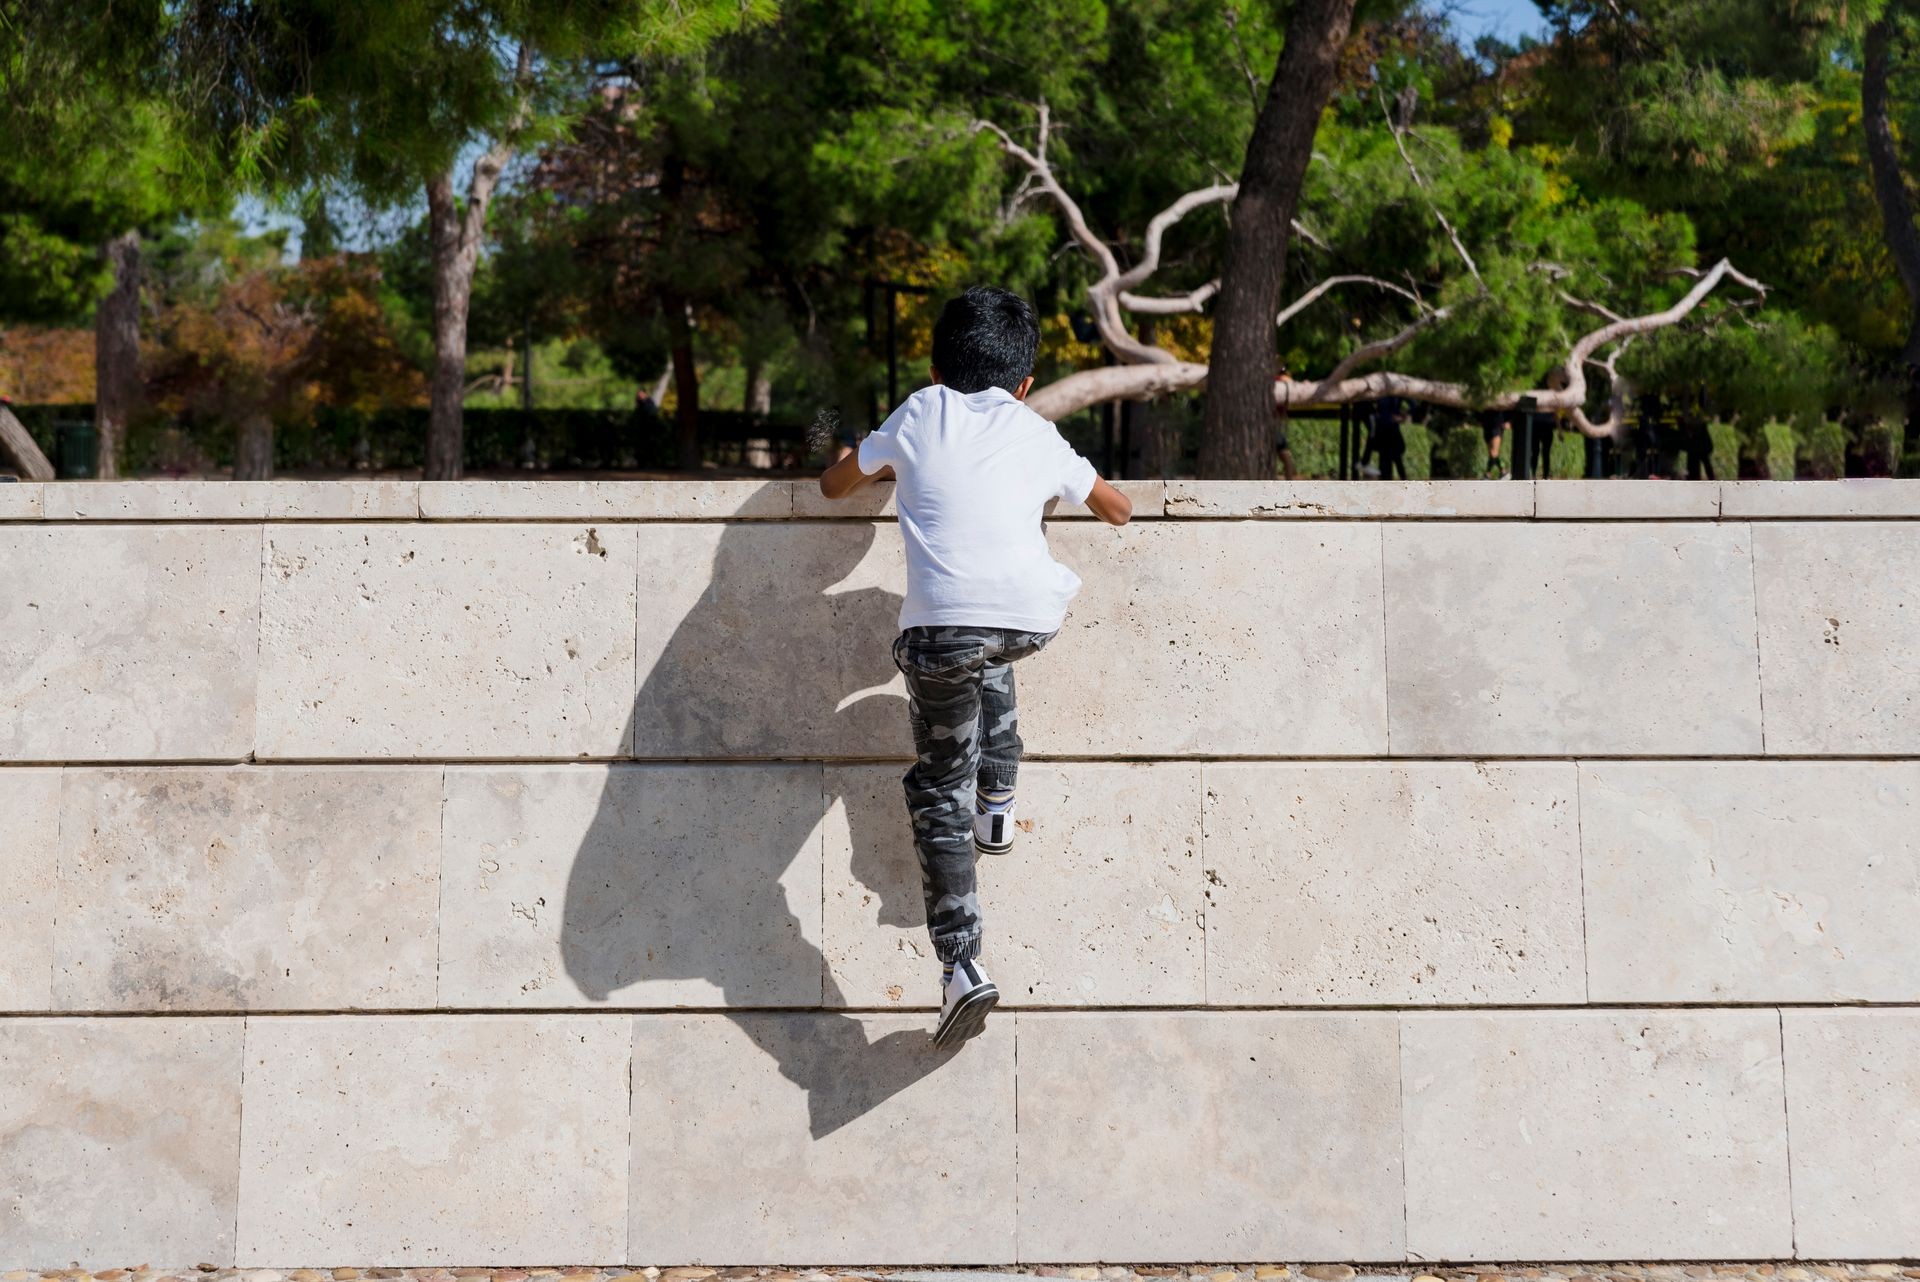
x=157 y=500
x=644 y=885
x=283 y=888
x=344 y=501
x=770 y=640
x=828 y=1138
x=1853 y=1112
x=1209 y=1136
x=872 y=501
x=1213 y=638
x=1627 y=500
x=441 y=641
x=1595 y=1135
x=1149 y=499
x=604 y=500
x=1839 y=625
x=118 y=1140
x=1416 y=499
x=1376 y=884
x=1559 y=639
x=1197 y=617
x=1729 y=881
x=1854 y=497
x=29 y=849
x=128 y=643
x=22 y=500
x=434 y=1139
x=1100 y=902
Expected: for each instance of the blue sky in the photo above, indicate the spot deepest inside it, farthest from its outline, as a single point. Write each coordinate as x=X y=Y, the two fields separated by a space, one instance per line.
x=1508 y=19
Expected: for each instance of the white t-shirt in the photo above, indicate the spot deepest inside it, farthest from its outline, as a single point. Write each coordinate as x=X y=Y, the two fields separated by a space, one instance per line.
x=973 y=470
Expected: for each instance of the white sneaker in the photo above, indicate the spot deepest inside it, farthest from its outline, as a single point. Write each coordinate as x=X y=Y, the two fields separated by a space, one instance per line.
x=969 y=996
x=993 y=829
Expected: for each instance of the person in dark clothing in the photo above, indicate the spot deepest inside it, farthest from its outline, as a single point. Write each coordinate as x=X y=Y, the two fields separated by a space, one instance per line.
x=1280 y=443
x=1696 y=440
x=1493 y=426
x=1389 y=414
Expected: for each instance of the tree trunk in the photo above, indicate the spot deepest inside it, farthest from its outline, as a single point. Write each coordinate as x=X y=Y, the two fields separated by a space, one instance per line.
x=759 y=389
x=1236 y=438
x=116 y=353
x=686 y=384
x=253 y=453
x=454 y=255
x=1896 y=213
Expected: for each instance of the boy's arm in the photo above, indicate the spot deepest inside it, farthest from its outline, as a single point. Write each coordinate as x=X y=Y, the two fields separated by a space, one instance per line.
x=1109 y=504
x=845 y=476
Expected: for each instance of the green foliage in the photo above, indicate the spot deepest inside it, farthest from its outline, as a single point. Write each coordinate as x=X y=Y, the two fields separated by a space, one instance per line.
x=1821 y=451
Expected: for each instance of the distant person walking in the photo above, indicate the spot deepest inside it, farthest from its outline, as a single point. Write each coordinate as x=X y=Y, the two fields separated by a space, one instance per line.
x=1389 y=437
x=1280 y=430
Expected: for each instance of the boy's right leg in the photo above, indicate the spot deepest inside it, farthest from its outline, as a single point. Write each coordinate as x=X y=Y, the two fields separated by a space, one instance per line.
x=942 y=668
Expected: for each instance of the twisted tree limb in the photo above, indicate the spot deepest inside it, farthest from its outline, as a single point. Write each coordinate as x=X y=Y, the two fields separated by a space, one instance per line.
x=1147 y=371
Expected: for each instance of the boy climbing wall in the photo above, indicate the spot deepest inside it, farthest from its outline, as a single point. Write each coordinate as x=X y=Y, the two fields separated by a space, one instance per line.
x=973 y=469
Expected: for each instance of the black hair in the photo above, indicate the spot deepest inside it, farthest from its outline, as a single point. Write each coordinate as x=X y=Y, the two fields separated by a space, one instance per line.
x=985 y=338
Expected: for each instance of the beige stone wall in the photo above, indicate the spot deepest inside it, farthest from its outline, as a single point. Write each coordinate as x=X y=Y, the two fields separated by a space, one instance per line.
x=516 y=873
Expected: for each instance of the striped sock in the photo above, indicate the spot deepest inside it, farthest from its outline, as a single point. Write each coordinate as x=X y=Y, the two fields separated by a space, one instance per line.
x=995 y=801
x=946 y=973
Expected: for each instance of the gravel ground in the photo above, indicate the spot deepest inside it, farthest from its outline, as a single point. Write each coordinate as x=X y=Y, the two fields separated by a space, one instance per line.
x=1781 y=1272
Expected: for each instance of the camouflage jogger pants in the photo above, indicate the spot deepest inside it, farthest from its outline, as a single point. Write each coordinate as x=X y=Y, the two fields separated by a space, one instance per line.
x=965 y=735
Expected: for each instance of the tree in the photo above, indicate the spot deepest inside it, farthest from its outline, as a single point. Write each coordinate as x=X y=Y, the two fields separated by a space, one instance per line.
x=1896 y=208
x=1474 y=328
x=1237 y=434
x=90 y=165
x=388 y=100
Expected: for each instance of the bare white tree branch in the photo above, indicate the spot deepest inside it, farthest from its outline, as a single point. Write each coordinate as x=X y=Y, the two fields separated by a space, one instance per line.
x=1400 y=145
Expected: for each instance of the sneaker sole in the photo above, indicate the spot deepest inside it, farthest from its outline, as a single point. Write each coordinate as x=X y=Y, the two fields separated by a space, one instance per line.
x=968 y=1017
x=988 y=848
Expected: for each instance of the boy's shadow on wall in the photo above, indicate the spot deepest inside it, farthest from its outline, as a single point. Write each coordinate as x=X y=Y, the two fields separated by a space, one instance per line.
x=679 y=875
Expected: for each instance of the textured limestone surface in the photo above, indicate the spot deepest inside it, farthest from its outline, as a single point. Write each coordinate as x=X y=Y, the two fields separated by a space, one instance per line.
x=1293 y=1149
x=1626 y=500
x=1369 y=883
x=1265 y=499
x=133 y=642
x=22 y=501
x=641 y=885
x=1100 y=902
x=1571 y=638
x=434 y=1139
x=455 y=641
x=1857 y=497
x=764 y=1138
x=343 y=501
x=1229 y=638
x=29 y=850
x=117 y=1140
x=1583 y=1135
x=725 y=671
x=605 y=500
x=1853 y=1112
x=1722 y=881
x=1839 y=626
x=158 y=501
x=201 y=889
